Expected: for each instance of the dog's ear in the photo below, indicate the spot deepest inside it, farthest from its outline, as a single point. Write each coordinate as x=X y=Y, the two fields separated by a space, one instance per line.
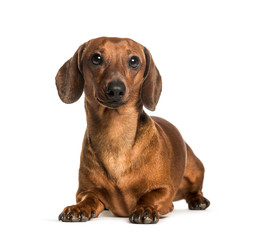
x=69 y=79
x=152 y=83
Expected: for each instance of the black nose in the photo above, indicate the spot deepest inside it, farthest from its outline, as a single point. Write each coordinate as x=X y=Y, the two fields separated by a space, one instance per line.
x=115 y=90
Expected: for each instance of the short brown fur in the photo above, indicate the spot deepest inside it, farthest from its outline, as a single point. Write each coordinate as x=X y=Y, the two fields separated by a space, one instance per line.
x=132 y=164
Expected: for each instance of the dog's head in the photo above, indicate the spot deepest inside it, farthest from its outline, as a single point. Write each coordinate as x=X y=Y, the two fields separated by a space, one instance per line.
x=111 y=71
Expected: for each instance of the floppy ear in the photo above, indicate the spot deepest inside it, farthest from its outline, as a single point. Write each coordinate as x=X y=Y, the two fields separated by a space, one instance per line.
x=152 y=83
x=69 y=79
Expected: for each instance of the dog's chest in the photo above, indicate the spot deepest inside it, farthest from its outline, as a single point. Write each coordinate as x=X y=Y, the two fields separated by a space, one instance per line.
x=113 y=142
x=117 y=162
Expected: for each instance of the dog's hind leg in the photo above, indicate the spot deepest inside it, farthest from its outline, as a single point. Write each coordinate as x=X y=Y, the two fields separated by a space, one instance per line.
x=190 y=188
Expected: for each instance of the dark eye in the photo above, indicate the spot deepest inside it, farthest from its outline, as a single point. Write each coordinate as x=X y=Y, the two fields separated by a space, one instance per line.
x=134 y=62
x=96 y=59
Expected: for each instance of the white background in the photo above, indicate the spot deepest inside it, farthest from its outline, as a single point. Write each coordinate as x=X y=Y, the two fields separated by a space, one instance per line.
x=204 y=51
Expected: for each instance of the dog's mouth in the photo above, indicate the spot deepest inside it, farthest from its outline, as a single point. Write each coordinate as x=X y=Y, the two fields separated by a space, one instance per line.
x=111 y=104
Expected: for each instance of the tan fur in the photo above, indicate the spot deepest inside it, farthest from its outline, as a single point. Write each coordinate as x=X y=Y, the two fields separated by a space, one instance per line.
x=132 y=164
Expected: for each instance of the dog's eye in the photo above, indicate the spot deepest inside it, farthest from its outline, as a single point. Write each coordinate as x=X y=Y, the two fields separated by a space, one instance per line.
x=134 y=62
x=96 y=59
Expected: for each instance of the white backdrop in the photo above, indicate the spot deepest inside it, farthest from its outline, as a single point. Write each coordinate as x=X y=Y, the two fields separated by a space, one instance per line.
x=204 y=52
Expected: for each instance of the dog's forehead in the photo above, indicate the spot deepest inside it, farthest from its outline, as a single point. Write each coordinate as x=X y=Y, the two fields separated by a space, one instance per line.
x=107 y=44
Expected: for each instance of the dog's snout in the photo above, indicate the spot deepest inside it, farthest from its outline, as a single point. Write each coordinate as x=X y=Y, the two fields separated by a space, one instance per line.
x=115 y=90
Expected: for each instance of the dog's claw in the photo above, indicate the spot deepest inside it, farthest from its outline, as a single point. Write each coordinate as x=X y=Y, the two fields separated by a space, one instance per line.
x=146 y=218
x=61 y=216
x=80 y=216
x=155 y=218
x=137 y=219
x=131 y=218
x=70 y=215
x=92 y=214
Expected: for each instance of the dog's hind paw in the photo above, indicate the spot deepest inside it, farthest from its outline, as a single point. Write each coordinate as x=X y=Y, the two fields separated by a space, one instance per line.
x=198 y=203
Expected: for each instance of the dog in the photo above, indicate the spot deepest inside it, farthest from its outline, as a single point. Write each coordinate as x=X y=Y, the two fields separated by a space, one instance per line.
x=132 y=164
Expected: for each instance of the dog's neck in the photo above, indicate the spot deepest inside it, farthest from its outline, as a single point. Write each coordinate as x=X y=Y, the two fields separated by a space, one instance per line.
x=112 y=135
x=110 y=129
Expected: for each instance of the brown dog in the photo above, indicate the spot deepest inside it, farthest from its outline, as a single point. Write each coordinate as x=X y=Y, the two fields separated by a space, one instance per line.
x=132 y=164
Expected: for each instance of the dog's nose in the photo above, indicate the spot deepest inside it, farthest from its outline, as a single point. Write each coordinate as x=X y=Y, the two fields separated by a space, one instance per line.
x=115 y=90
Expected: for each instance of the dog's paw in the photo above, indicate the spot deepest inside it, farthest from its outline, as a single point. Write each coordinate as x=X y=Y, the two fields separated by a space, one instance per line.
x=76 y=213
x=198 y=203
x=144 y=215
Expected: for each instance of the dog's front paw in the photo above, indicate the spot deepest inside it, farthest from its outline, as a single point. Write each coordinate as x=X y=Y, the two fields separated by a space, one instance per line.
x=144 y=215
x=76 y=213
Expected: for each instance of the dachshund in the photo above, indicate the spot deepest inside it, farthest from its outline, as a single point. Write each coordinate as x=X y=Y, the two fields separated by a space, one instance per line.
x=131 y=164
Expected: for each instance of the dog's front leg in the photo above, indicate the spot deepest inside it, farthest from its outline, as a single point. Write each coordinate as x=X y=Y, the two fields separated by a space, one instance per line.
x=88 y=207
x=151 y=205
